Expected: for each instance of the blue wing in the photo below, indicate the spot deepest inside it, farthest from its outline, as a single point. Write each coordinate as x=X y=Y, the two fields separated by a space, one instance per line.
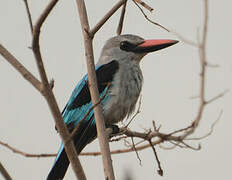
x=80 y=100
x=78 y=105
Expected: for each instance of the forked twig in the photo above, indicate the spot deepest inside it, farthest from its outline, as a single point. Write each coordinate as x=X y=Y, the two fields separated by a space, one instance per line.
x=155 y=23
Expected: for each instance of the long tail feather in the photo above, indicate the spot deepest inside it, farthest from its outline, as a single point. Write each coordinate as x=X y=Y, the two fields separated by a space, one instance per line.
x=86 y=133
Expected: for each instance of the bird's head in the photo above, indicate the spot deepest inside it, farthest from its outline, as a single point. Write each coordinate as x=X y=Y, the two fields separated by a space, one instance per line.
x=131 y=47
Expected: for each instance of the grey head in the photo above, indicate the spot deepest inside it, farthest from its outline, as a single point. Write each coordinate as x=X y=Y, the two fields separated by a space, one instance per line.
x=130 y=47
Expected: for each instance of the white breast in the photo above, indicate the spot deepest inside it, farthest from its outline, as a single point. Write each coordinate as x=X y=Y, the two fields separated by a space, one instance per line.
x=124 y=92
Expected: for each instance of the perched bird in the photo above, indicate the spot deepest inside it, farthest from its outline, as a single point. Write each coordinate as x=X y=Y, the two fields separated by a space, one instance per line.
x=119 y=79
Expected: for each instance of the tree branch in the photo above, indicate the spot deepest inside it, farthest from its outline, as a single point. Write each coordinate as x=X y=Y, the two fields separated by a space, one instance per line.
x=121 y=20
x=155 y=23
x=50 y=98
x=101 y=130
x=29 y=15
x=4 y=172
x=21 y=69
x=93 y=31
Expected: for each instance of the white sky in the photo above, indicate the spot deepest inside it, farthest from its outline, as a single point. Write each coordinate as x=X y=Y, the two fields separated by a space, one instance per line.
x=171 y=77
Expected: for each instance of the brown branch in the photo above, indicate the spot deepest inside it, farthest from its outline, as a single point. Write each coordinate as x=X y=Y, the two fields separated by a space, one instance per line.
x=202 y=54
x=160 y=171
x=101 y=130
x=136 y=152
x=21 y=69
x=149 y=8
x=155 y=23
x=217 y=97
x=4 y=172
x=210 y=132
x=121 y=20
x=32 y=155
x=29 y=16
x=93 y=31
x=50 y=98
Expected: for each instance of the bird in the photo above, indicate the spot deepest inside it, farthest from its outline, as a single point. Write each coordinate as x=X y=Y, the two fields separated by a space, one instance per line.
x=119 y=81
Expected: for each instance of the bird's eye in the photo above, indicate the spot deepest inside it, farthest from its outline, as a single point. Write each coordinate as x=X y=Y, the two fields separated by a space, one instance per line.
x=126 y=46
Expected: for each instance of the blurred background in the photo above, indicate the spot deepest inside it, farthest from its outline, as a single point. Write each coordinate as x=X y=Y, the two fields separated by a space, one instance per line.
x=171 y=78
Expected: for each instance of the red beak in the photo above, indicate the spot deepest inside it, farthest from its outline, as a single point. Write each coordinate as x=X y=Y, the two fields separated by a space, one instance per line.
x=154 y=45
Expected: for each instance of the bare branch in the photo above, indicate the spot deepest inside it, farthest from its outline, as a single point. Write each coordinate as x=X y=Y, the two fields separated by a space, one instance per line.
x=160 y=171
x=17 y=151
x=202 y=54
x=105 y=18
x=50 y=98
x=149 y=8
x=29 y=16
x=120 y=24
x=155 y=23
x=137 y=154
x=191 y=147
x=4 y=172
x=21 y=69
x=210 y=132
x=217 y=97
x=101 y=130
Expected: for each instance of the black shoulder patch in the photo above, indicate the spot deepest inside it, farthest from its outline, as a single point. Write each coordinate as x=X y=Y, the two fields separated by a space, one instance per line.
x=105 y=74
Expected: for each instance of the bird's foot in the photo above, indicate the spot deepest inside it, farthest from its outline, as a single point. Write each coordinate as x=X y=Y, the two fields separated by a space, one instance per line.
x=112 y=130
x=115 y=128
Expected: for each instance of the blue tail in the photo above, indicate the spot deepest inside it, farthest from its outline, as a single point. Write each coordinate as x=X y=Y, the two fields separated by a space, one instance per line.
x=86 y=133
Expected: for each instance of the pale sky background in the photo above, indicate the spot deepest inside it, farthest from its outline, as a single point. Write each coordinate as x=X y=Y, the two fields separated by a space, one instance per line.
x=171 y=78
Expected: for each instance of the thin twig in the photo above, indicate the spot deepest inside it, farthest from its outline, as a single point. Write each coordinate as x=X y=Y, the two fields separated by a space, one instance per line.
x=191 y=147
x=155 y=23
x=29 y=16
x=4 y=172
x=202 y=54
x=93 y=31
x=121 y=20
x=180 y=130
x=149 y=8
x=160 y=170
x=211 y=129
x=21 y=69
x=217 y=97
x=136 y=152
x=32 y=155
